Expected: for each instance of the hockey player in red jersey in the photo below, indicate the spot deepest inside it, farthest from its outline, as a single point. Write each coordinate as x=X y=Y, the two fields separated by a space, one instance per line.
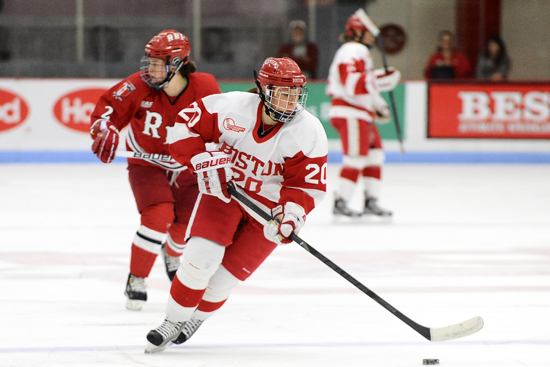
x=148 y=102
x=275 y=153
x=354 y=87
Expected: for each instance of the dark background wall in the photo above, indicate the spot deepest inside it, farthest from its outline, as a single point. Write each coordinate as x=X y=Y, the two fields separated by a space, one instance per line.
x=39 y=38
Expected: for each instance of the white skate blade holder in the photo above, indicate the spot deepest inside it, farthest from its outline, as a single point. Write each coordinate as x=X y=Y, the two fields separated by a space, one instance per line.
x=134 y=304
x=151 y=348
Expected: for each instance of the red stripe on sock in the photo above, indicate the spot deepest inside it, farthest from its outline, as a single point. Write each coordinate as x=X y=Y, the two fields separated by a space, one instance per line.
x=206 y=306
x=373 y=171
x=184 y=295
x=171 y=252
x=141 y=262
x=350 y=173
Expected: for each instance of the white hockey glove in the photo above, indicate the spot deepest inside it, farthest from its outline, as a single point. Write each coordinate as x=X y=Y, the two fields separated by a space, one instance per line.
x=383 y=114
x=288 y=219
x=213 y=171
x=387 y=81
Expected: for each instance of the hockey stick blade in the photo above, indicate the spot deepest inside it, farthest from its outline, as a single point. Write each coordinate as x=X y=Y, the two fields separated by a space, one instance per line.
x=433 y=334
x=456 y=331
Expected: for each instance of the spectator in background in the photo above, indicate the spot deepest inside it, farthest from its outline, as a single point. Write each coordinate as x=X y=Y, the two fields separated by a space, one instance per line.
x=447 y=62
x=494 y=63
x=304 y=53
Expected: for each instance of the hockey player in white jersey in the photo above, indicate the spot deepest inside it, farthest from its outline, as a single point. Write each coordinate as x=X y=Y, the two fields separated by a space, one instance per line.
x=275 y=153
x=354 y=87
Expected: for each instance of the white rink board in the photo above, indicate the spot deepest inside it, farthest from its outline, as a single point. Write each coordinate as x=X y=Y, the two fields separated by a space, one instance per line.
x=43 y=131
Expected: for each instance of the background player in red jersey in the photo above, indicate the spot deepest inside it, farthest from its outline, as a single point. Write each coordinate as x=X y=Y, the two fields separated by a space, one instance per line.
x=354 y=87
x=148 y=102
x=275 y=153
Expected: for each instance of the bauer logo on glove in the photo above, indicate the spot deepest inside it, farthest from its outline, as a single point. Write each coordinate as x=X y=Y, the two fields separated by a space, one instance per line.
x=213 y=163
x=213 y=171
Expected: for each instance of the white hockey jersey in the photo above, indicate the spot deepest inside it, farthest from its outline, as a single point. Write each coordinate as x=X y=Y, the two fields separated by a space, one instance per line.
x=352 y=84
x=288 y=164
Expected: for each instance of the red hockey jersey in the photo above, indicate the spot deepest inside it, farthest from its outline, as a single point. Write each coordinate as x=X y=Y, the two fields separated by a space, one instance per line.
x=149 y=114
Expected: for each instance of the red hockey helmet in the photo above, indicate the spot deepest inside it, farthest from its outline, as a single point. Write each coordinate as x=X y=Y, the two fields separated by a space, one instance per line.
x=171 y=46
x=283 y=72
x=168 y=45
x=353 y=24
x=282 y=88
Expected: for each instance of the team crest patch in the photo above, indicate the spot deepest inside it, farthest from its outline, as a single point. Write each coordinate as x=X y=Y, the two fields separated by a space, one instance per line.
x=229 y=124
x=124 y=90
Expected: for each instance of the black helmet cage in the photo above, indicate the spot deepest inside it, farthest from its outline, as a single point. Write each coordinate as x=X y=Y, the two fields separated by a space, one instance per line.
x=267 y=99
x=171 y=68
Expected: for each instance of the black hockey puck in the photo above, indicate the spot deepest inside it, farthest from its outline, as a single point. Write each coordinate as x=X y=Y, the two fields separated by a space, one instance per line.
x=430 y=361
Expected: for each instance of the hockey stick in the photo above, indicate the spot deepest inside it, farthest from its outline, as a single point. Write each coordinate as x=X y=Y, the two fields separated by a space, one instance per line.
x=162 y=160
x=433 y=334
x=380 y=43
x=373 y=29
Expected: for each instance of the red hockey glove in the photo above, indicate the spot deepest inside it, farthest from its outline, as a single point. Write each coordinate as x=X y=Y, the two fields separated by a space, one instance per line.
x=287 y=219
x=106 y=137
x=213 y=171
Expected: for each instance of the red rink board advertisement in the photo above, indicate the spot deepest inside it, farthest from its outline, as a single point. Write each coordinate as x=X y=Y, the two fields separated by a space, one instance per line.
x=48 y=114
x=13 y=110
x=489 y=111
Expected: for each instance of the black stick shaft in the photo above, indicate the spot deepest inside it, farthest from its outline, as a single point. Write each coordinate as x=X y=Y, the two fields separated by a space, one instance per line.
x=380 y=43
x=422 y=330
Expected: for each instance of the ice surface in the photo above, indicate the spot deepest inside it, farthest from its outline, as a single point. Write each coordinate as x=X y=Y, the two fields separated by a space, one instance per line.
x=466 y=240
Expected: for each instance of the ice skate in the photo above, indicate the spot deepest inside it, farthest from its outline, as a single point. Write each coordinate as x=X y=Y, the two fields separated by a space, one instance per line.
x=372 y=208
x=159 y=338
x=188 y=329
x=341 y=208
x=171 y=263
x=136 y=292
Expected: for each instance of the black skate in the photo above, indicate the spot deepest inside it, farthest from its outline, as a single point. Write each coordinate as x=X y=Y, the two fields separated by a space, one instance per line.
x=188 y=329
x=372 y=208
x=159 y=338
x=341 y=208
x=171 y=263
x=136 y=292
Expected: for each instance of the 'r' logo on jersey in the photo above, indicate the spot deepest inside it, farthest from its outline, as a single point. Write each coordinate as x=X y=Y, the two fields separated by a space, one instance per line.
x=153 y=121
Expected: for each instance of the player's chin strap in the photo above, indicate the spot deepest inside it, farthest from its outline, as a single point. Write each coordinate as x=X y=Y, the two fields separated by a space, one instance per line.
x=262 y=95
x=170 y=74
x=459 y=330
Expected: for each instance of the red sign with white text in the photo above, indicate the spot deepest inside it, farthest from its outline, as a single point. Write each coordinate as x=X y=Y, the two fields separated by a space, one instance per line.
x=74 y=109
x=13 y=110
x=493 y=111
